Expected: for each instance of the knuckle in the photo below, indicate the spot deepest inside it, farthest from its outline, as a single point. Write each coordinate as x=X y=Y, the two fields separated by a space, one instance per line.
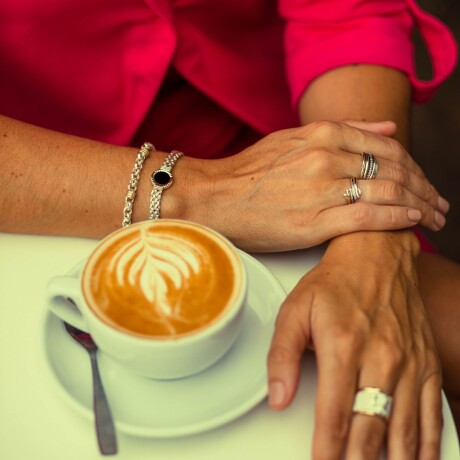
x=361 y=215
x=323 y=129
x=431 y=195
x=391 y=357
x=400 y=174
x=395 y=217
x=397 y=150
x=337 y=421
x=433 y=366
x=319 y=160
x=371 y=441
x=407 y=429
x=347 y=342
x=280 y=354
x=392 y=192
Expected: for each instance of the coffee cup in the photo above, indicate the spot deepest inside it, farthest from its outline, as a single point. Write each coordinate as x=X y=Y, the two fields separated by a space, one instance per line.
x=163 y=298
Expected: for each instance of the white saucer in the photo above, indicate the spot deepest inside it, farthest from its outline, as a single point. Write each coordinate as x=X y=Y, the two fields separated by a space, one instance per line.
x=152 y=408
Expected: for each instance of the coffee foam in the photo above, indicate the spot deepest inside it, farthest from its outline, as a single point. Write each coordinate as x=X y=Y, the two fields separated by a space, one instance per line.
x=153 y=259
x=162 y=280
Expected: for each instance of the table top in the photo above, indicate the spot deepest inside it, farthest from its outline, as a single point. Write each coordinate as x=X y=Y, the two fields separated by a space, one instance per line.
x=37 y=423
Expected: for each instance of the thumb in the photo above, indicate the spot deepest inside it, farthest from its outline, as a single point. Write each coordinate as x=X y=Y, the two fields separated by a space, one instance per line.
x=290 y=339
x=384 y=128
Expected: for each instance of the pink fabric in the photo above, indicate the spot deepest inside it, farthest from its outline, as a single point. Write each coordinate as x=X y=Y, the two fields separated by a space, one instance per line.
x=95 y=67
x=372 y=32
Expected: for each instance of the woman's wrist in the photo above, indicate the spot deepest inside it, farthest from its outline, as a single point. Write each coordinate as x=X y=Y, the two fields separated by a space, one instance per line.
x=186 y=198
x=374 y=247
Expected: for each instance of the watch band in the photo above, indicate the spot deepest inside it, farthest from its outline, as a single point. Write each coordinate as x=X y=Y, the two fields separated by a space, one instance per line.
x=162 y=179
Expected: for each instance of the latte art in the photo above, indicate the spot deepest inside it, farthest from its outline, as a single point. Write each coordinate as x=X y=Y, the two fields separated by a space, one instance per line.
x=162 y=280
x=155 y=264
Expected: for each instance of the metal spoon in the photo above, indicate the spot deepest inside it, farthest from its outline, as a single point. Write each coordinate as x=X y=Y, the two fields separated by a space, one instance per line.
x=105 y=429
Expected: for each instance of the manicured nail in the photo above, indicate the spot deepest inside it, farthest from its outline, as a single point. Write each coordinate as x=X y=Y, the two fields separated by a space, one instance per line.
x=439 y=219
x=276 y=394
x=414 y=215
x=443 y=204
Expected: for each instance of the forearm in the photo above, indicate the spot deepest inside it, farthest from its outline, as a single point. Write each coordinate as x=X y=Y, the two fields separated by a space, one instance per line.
x=53 y=183
x=359 y=92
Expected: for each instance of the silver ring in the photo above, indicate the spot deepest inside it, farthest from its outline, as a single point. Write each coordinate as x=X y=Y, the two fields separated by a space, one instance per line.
x=352 y=194
x=369 y=166
x=372 y=401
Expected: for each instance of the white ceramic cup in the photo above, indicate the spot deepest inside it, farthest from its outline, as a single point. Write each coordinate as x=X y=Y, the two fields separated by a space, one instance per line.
x=153 y=357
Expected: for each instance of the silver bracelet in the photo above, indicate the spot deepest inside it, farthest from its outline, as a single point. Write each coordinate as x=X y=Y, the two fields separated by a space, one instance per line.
x=144 y=152
x=161 y=180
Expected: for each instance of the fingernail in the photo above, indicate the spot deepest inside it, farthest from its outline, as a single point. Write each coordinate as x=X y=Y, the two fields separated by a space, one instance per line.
x=439 y=219
x=276 y=394
x=414 y=215
x=443 y=204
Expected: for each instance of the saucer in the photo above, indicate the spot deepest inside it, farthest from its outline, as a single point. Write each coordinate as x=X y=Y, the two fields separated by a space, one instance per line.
x=165 y=409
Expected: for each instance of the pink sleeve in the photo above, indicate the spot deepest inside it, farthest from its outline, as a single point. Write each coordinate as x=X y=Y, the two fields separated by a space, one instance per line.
x=324 y=34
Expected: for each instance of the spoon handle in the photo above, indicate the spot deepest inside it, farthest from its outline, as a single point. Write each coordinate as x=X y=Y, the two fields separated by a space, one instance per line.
x=105 y=428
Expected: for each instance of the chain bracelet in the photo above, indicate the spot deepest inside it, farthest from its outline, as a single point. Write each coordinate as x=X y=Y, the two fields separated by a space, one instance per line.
x=162 y=179
x=143 y=153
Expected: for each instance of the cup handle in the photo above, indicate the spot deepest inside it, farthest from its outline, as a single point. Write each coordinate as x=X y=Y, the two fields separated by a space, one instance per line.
x=63 y=298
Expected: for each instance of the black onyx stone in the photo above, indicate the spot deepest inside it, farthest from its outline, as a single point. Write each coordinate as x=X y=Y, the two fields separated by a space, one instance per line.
x=162 y=178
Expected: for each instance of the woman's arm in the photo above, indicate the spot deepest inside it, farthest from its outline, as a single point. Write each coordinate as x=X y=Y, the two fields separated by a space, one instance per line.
x=360 y=308
x=359 y=92
x=53 y=183
x=58 y=184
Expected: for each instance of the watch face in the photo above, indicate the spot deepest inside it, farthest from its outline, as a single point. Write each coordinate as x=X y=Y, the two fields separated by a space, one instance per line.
x=161 y=178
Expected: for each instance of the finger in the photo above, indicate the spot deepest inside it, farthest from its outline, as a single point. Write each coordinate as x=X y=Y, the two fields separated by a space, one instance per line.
x=403 y=429
x=341 y=220
x=408 y=173
x=289 y=342
x=384 y=128
x=366 y=437
x=357 y=140
x=380 y=369
x=430 y=419
x=337 y=355
x=384 y=192
x=397 y=172
x=346 y=165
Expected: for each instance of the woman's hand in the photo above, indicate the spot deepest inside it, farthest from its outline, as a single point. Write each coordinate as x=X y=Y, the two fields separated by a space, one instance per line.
x=360 y=310
x=286 y=191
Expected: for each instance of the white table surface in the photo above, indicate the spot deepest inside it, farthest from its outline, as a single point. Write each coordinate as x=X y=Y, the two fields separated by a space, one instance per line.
x=37 y=424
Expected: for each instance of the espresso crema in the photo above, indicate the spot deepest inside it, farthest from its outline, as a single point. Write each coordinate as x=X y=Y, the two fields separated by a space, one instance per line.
x=161 y=280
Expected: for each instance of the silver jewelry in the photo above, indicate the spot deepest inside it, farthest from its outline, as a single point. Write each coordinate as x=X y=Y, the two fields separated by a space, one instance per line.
x=369 y=166
x=352 y=194
x=372 y=401
x=143 y=153
x=162 y=179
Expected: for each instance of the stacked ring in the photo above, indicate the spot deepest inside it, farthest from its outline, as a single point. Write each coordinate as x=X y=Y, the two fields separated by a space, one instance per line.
x=372 y=401
x=353 y=193
x=369 y=167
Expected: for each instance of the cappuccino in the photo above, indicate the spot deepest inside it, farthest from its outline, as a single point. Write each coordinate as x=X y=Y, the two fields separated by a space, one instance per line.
x=162 y=279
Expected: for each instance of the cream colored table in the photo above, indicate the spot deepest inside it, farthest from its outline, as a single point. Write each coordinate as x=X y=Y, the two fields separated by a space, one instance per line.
x=36 y=423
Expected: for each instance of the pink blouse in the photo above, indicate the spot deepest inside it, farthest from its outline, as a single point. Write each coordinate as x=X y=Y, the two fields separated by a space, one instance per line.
x=226 y=68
